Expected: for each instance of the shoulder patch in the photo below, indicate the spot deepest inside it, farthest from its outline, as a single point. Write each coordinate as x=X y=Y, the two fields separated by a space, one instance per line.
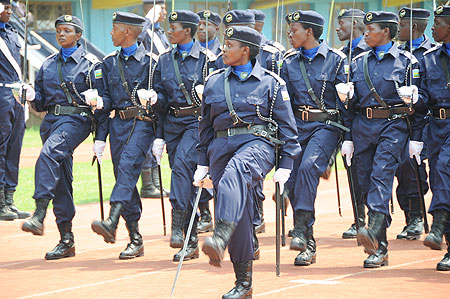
x=210 y=54
x=214 y=73
x=92 y=58
x=278 y=78
x=154 y=56
x=114 y=53
x=270 y=49
x=435 y=48
x=289 y=52
x=339 y=52
x=360 y=55
x=409 y=56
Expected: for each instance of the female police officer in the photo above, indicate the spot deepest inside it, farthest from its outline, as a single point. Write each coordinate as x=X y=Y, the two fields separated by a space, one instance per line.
x=244 y=106
x=59 y=86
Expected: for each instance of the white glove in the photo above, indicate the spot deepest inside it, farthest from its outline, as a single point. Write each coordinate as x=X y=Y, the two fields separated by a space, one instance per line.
x=147 y=95
x=344 y=90
x=200 y=174
x=92 y=98
x=408 y=92
x=30 y=94
x=347 y=151
x=281 y=176
x=157 y=149
x=99 y=147
x=2 y=8
x=199 y=89
x=415 y=148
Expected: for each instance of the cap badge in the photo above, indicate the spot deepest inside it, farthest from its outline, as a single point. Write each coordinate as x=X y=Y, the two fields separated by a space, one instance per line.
x=296 y=16
x=114 y=16
x=402 y=13
x=207 y=14
x=67 y=18
x=230 y=32
x=228 y=18
x=369 y=17
x=174 y=16
x=439 y=10
x=342 y=12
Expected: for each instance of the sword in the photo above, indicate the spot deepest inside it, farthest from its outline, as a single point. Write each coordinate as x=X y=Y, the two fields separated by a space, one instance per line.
x=100 y=189
x=25 y=55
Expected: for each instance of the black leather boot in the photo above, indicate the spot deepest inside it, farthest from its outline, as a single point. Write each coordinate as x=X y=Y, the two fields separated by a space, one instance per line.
x=156 y=182
x=300 y=233
x=107 y=229
x=205 y=224
x=261 y=228
x=434 y=238
x=214 y=246
x=192 y=250
x=148 y=188
x=404 y=232
x=414 y=221
x=307 y=257
x=243 y=288
x=351 y=232
x=177 y=238
x=380 y=257
x=369 y=237
x=5 y=212
x=9 y=196
x=35 y=224
x=66 y=246
x=136 y=246
x=444 y=264
x=256 y=249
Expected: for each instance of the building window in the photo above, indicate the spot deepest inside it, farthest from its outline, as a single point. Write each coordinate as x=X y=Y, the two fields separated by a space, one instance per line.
x=45 y=13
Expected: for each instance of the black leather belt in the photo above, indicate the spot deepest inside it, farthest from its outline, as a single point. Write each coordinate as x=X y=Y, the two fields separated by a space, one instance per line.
x=133 y=112
x=185 y=111
x=257 y=130
x=67 y=110
x=441 y=113
x=390 y=113
x=314 y=114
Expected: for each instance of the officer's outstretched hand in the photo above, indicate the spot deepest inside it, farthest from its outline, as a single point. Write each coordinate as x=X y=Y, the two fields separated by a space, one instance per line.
x=2 y=8
x=158 y=148
x=99 y=147
x=281 y=176
x=345 y=90
x=30 y=94
x=415 y=148
x=347 y=151
x=200 y=175
x=407 y=93
x=147 y=96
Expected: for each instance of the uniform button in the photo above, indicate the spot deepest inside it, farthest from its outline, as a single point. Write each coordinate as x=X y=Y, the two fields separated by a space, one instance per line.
x=237 y=94
x=375 y=73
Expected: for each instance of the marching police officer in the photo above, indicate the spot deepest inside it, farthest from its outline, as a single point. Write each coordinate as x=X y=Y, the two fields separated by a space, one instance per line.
x=311 y=73
x=358 y=45
x=12 y=122
x=61 y=85
x=379 y=124
x=159 y=44
x=126 y=79
x=179 y=78
x=436 y=83
x=408 y=196
x=244 y=106
x=214 y=21
x=260 y=18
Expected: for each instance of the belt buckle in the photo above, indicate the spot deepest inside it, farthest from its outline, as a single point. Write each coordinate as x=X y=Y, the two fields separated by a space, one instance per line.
x=263 y=134
x=57 y=109
x=369 y=113
x=305 y=115
x=230 y=132
x=442 y=113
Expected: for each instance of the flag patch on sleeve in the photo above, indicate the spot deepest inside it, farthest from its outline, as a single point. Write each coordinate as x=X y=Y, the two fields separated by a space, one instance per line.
x=416 y=73
x=98 y=74
x=285 y=95
x=346 y=68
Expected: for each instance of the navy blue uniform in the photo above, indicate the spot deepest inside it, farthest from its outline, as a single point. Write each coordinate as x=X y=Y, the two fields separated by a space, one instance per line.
x=360 y=48
x=180 y=133
x=237 y=163
x=379 y=143
x=129 y=139
x=214 y=46
x=438 y=153
x=161 y=43
x=317 y=139
x=61 y=134
x=12 y=120
x=406 y=172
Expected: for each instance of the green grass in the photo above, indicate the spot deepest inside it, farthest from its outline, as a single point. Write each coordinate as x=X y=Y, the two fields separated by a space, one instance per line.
x=32 y=138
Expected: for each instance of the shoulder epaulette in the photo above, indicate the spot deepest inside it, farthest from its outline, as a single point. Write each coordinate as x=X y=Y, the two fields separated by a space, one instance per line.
x=360 y=55
x=341 y=48
x=289 y=52
x=271 y=49
x=278 y=78
x=279 y=46
x=220 y=54
x=92 y=58
x=167 y=50
x=51 y=56
x=339 y=52
x=114 y=53
x=432 y=49
x=409 y=56
x=210 y=54
x=154 y=56
x=214 y=73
